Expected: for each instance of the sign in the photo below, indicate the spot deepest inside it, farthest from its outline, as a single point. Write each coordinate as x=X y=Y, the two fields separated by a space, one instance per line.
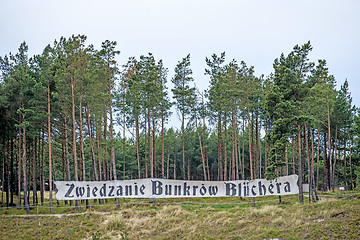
x=306 y=187
x=165 y=188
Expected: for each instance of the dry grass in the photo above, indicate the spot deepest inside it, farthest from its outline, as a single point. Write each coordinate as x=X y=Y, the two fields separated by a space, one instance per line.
x=326 y=219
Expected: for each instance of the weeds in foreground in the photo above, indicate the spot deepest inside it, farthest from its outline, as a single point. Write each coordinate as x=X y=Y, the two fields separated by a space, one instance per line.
x=221 y=218
x=96 y=236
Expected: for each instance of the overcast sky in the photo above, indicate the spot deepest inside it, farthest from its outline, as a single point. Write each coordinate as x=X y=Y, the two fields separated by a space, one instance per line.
x=253 y=31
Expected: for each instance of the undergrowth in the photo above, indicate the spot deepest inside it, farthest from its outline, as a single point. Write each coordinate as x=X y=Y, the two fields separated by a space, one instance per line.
x=333 y=217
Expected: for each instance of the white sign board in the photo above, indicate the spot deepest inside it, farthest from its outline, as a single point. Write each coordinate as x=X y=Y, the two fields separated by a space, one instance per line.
x=165 y=188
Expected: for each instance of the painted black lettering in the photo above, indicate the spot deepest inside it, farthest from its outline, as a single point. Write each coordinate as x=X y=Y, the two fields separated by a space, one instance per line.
x=186 y=190
x=252 y=190
x=136 y=189
x=168 y=189
x=213 y=190
x=157 y=187
x=262 y=189
x=119 y=191
x=230 y=189
x=194 y=190
x=287 y=187
x=128 y=190
x=142 y=188
x=202 y=190
x=88 y=191
x=246 y=189
x=111 y=192
x=103 y=190
x=94 y=191
x=80 y=191
x=278 y=187
x=271 y=186
x=177 y=190
x=71 y=187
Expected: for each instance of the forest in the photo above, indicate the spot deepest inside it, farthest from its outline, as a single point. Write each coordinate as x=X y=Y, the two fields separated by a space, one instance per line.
x=59 y=111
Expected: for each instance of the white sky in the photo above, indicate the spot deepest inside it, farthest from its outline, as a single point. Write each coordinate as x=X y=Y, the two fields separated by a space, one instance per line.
x=256 y=31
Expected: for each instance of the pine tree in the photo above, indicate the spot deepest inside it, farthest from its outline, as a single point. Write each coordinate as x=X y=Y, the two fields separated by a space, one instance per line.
x=285 y=106
x=184 y=95
x=216 y=99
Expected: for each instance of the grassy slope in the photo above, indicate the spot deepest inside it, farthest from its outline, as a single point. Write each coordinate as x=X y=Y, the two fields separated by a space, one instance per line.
x=213 y=218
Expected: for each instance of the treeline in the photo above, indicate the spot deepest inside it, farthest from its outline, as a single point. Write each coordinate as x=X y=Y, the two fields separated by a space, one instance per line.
x=59 y=108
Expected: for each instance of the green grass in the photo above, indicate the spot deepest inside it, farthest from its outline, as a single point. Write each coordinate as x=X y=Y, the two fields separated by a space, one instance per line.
x=336 y=216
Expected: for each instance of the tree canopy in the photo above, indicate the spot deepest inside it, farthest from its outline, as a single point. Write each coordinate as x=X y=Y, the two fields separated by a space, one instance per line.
x=71 y=113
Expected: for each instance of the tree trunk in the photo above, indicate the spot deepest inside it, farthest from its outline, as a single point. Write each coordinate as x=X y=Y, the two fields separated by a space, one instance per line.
x=54 y=174
x=124 y=142
x=237 y=154
x=188 y=169
x=250 y=147
x=234 y=149
x=325 y=164
x=351 y=176
x=28 y=165
x=82 y=153
x=42 y=182
x=207 y=164
x=317 y=162
x=260 y=157
x=12 y=177
x=183 y=142
x=91 y=142
x=168 y=166
x=99 y=154
x=243 y=149
x=19 y=169
x=8 y=171
x=174 y=166
x=204 y=143
x=329 y=143
x=225 y=149
x=76 y=178
x=50 y=150
x=67 y=162
x=137 y=143
x=345 y=181
x=162 y=146
x=153 y=142
x=239 y=162
x=201 y=147
x=257 y=147
x=24 y=160
x=293 y=155
x=266 y=147
x=313 y=188
x=286 y=159
x=105 y=158
x=34 y=172
x=220 y=175
x=300 y=172
x=145 y=145
x=151 y=159
x=335 y=158
x=308 y=161
x=99 y=158
x=3 y=171
x=112 y=148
